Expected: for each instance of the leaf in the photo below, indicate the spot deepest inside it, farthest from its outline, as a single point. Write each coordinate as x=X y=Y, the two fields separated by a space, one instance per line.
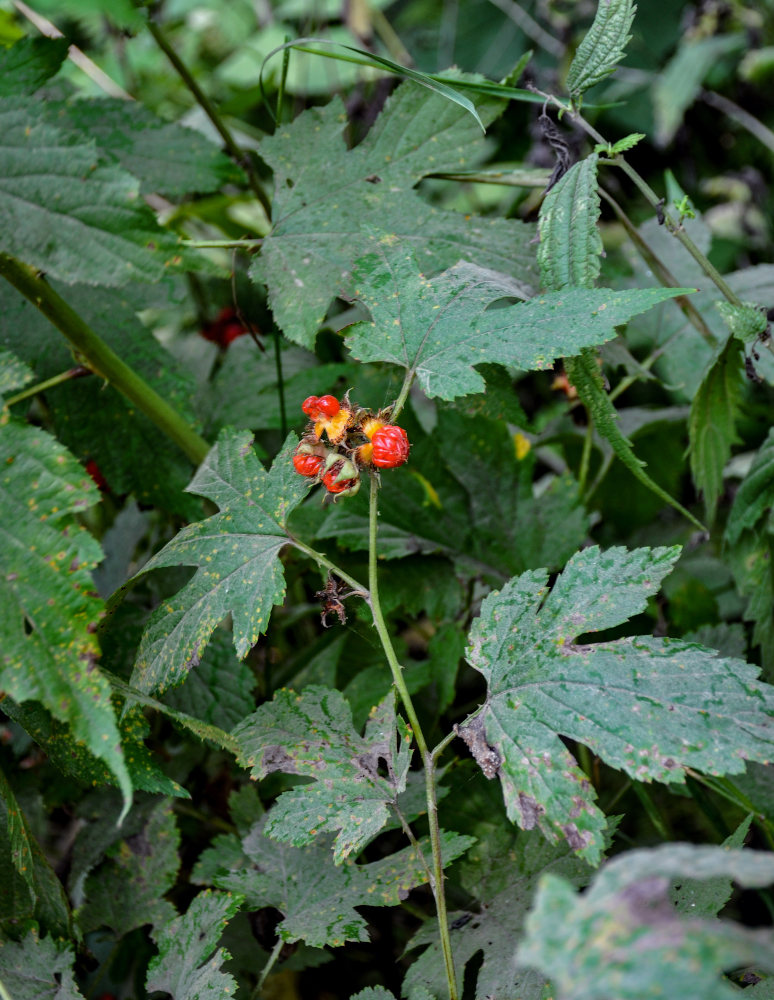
x=185 y=966
x=46 y=590
x=750 y=535
x=570 y=244
x=583 y=372
x=439 y=329
x=501 y=872
x=746 y=322
x=327 y=207
x=219 y=689
x=237 y=555
x=624 y=938
x=316 y=897
x=127 y=890
x=38 y=968
x=712 y=424
x=75 y=760
x=64 y=212
x=312 y=734
x=678 y=85
x=28 y=63
x=603 y=47
x=707 y=897
x=29 y=887
x=647 y=706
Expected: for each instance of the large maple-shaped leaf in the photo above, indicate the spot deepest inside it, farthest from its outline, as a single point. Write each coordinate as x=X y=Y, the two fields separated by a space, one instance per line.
x=624 y=938
x=648 y=706
x=48 y=609
x=328 y=200
x=185 y=967
x=312 y=734
x=501 y=872
x=62 y=210
x=439 y=329
x=316 y=897
x=237 y=552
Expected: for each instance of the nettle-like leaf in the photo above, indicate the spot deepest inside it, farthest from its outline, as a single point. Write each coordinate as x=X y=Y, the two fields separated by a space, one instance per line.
x=712 y=423
x=48 y=609
x=127 y=889
x=501 y=872
x=570 y=244
x=63 y=211
x=326 y=207
x=623 y=937
x=38 y=968
x=166 y=157
x=312 y=734
x=316 y=897
x=439 y=329
x=185 y=966
x=28 y=63
x=603 y=47
x=237 y=554
x=647 y=706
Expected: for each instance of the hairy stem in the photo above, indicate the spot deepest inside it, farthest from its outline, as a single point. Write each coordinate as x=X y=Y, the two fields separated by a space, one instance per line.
x=588 y=438
x=324 y=561
x=427 y=757
x=275 y=953
x=400 y=402
x=236 y=154
x=101 y=359
x=77 y=372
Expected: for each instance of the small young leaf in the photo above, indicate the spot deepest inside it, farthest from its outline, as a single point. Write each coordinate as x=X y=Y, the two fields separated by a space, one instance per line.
x=316 y=897
x=38 y=969
x=712 y=423
x=623 y=938
x=185 y=966
x=628 y=142
x=237 y=552
x=747 y=322
x=440 y=329
x=312 y=734
x=603 y=47
x=570 y=244
x=648 y=706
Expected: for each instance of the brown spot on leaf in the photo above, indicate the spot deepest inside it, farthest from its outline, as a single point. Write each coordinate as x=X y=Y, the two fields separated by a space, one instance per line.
x=575 y=838
x=474 y=735
x=531 y=811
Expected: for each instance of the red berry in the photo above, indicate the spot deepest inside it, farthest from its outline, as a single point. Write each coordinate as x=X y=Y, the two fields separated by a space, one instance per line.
x=391 y=447
x=225 y=328
x=332 y=486
x=321 y=407
x=307 y=465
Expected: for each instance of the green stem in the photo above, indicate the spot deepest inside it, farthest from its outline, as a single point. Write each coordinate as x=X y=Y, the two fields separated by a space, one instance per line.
x=322 y=560
x=583 y=473
x=280 y=382
x=400 y=402
x=4 y=994
x=275 y=953
x=236 y=154
x=427 y=758
x=224 y=244
x=101 y=359
x=78 y=372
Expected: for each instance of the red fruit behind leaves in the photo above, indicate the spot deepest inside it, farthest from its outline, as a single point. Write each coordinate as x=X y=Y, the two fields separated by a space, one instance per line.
x=225 y=328
x=96 y=474
x=307 y=465
x=390 y=447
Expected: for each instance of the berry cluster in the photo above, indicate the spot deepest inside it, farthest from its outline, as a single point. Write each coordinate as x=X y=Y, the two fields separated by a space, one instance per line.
x=356 y=439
